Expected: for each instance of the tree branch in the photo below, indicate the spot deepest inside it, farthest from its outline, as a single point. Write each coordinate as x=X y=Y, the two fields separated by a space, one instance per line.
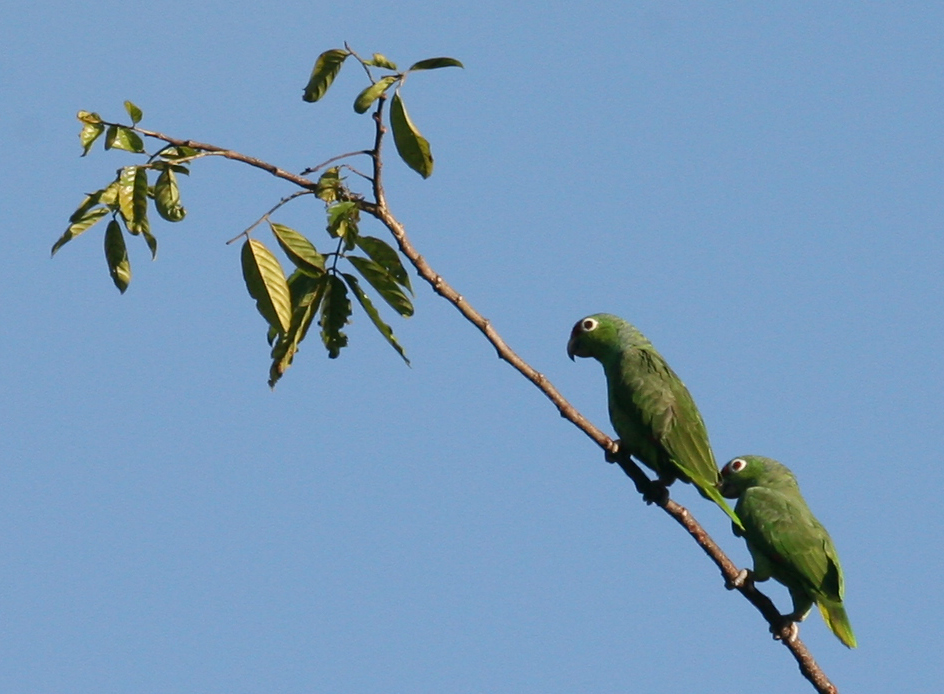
x=808 y=666
x=379 y=209
x=228 y=154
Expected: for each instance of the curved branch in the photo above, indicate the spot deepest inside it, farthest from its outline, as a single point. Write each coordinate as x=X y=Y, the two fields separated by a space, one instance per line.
x=378 y=209
x=227 y=154
x=807 y=665
x=283 y=201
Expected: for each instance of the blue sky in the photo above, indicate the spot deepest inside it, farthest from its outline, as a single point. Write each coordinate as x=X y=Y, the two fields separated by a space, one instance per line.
x=758 y=188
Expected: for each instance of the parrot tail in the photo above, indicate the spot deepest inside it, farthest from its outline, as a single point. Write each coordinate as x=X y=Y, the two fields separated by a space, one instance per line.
x=710 y=492
x=834 y=614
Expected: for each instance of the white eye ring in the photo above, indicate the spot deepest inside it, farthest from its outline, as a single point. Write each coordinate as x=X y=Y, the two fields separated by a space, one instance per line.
x=588 y=324
x=737 y=465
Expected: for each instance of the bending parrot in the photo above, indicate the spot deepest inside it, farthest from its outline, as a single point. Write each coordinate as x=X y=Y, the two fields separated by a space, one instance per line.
x=650 y=408
x=786 y=541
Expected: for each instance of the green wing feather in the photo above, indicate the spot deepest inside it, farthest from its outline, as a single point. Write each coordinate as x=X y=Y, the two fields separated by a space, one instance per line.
x=655 y=415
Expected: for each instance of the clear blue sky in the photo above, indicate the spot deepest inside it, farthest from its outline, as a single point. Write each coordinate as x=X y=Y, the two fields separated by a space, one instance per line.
x=757 y=186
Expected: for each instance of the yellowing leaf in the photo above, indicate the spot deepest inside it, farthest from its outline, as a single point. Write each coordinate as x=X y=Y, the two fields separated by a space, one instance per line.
x=79 y=224
x=133 y=112
x=167 y=196
x=266 y=284
x=299 y=249
x=90 y=133
x=119 y=137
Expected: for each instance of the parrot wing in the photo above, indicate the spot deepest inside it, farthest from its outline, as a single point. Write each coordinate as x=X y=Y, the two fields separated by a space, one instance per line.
x=782 y=527
x=656 y=397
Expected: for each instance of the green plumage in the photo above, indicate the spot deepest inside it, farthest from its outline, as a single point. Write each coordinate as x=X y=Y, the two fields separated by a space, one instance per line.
x=651 y=409
x=786 y=541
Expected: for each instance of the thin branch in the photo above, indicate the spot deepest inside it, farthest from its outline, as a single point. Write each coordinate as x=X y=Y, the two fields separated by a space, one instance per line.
x=808 y=666
x=361 y=61
x=323 y=164
x=301 y=181
x=287 y=198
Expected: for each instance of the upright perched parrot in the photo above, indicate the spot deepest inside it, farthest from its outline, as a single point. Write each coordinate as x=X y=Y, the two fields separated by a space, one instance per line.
x=650 y=408
x=786 y=541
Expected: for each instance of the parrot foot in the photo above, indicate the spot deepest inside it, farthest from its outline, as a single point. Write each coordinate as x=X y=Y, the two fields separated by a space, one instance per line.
x=657 y=493
x=787 y=621
x=744 y=575
x=612 y=455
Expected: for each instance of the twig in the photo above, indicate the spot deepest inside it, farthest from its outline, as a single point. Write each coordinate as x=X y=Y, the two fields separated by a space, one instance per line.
x=314 y=169
x=287 y=198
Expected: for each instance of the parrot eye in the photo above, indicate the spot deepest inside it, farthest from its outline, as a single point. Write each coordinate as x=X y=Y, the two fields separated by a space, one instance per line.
x=588 y=324
x=737 y=465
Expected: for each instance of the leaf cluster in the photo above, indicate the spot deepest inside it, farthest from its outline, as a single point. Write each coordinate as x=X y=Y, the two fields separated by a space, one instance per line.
x=323 y=286
x=318 y=287
x=126 y=197
x=412 y=147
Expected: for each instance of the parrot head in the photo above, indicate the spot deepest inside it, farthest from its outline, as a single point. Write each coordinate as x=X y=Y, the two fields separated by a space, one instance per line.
x=595 y=336
x=748 y=471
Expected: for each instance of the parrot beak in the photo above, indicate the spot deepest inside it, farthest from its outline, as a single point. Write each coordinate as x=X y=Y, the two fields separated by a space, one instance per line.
x=570 y=347
x=728 y=490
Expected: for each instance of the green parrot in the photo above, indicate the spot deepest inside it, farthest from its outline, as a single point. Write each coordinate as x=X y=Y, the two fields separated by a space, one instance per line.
x=786 y=541
x=650 y=408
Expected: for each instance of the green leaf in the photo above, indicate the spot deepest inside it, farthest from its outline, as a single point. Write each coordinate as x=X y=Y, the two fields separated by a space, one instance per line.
x=110 y=136
x=411 y=146
x=266 y=284
x=151 y=242
x=179 y=152
x=299 y=250
x=90 y=201
x=126 y=191
x=119 y=137
x=373 y=92
x=335 y=311
x=87 y=117
x=79 y=224
x=374 y=316
x=90 y=133
x=326 y=69
x=139 y=202
x=167 y=196
x=134 y=112
x=342 y=222
x=381 y=61
x=383 y=282
x=307 y=293
x=329 y=185
x=116 y=254
x=132 y=198
x=385 y=256
x=110 y=194
x=434 y=63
